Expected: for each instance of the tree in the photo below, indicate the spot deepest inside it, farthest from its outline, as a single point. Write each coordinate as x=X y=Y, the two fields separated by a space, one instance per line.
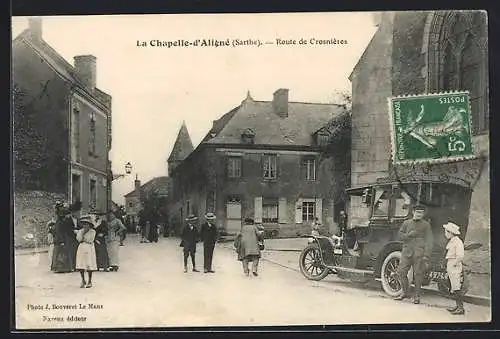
x=29 y=145
x=343 y=98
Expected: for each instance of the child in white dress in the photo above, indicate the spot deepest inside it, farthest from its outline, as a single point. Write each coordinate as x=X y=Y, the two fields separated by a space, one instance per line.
x=85 y=256
x=455 y=255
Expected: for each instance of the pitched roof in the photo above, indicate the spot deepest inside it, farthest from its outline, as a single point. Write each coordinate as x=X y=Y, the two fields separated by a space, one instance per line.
x=158 y=185
x=61 y=65
x=183 y=145
x=270 y=129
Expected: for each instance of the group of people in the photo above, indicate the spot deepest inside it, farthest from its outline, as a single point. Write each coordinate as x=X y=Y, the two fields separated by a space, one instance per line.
x=148 y=228
x=86 y=244
x=417 y=238
x=248 y=243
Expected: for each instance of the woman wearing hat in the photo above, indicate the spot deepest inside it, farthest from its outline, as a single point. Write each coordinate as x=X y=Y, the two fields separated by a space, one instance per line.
x=209 y=237
x=115 y=228
x=189 y=239
x=455 y=255
x=85 y=255
x=63 y=256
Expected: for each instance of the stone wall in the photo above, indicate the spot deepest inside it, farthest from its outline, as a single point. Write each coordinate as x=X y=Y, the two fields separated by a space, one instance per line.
x=32 y=211
x=371 y=86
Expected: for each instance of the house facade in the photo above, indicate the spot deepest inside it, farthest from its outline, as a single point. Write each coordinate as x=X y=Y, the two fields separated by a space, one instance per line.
x=265 y=160
x=416 y=53
x=62 y=120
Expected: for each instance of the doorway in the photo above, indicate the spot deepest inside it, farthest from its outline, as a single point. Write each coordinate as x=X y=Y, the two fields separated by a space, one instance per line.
x=233 y=215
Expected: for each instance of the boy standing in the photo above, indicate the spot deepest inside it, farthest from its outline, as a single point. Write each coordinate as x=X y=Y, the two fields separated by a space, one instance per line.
x=455 y=255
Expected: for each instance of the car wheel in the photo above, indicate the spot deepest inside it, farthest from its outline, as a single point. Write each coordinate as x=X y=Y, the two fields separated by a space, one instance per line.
x=389 y=277
x=311 y=265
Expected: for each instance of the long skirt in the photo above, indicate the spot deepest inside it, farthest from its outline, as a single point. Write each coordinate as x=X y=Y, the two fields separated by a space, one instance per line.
x=113 y=251
x=61 y=262
x=51 y=252
x=72 y=248
x=101 y=252
x=85 y=257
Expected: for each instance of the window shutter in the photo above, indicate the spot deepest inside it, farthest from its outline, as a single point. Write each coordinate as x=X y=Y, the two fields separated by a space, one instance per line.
x=319 y=210
x=277 y=159
x=298 y=211
x=282 y=211
x=257 y=210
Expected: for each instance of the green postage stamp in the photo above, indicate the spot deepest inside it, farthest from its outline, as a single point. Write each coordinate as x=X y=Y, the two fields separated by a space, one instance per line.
x=430 y=127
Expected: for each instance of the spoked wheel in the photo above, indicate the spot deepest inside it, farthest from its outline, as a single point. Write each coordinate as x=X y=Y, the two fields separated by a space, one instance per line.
x=389 y=274
x=310 y=263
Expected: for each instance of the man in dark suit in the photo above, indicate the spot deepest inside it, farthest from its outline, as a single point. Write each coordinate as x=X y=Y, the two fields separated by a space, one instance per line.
x=189 y=238
x=209 y=238
x=417 y=237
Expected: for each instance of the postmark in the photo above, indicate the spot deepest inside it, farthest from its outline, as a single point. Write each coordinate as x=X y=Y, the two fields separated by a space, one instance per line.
x=431 y=128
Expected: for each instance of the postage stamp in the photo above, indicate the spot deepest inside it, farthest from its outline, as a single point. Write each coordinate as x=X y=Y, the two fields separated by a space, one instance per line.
x=431 y=127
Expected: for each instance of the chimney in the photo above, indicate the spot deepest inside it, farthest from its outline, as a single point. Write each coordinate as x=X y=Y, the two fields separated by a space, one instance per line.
x=86 y=69
x=280 y=102
x=35 y=28
x=137 y=184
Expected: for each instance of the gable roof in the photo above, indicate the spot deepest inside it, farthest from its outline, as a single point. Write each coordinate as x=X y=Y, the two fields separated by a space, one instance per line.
x=183 y=145
x=158 y=185
x=61 y=65
x=270 y=129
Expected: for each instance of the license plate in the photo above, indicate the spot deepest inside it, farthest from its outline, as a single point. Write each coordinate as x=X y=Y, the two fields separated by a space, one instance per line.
x=337 y=251
x=438 y=275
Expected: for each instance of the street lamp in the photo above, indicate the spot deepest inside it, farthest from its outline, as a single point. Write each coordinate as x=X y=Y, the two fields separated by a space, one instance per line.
x=128 y=170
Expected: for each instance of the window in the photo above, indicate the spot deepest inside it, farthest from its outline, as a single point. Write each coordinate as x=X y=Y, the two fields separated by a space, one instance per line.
x=381 y=205
x=188 y=208
x=234 y=167
x=93 y=194
x=310 y=169
x=76 y=188
x=270 y=166
x=76 y=135
x=92 y=137
x=464 y=59
x=270 y=210
x=130 y=204
x=402 y=202
x=308 y=211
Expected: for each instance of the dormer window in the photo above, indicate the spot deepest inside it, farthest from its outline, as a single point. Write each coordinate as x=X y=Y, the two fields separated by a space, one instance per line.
x=248 y=135
x=322 y=139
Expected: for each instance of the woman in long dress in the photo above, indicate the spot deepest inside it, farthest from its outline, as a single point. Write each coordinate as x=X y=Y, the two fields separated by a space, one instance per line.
x=247 y=246
x=101 y=249
x=115 y=228
x=62 y=256
x=85 y=255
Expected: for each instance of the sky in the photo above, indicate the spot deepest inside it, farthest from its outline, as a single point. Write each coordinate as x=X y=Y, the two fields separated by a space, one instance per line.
x=155 y=89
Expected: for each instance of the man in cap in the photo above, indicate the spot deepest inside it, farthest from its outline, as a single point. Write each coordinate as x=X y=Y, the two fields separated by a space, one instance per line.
x=209 y=237
x=189 y=239
x=417 y=237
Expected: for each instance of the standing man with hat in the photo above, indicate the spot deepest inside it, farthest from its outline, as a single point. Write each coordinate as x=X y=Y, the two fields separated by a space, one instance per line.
x=189 y=239
x=417 y=237
x=455 y=253
x=209 y=237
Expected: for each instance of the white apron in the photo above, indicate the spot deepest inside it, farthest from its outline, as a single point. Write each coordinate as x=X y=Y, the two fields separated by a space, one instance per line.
x=455 y=254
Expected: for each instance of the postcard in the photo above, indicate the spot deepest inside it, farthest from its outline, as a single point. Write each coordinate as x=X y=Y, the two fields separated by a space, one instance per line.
x=234 y=170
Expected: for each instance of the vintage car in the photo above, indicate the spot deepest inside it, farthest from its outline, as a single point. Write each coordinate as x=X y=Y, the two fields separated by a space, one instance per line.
x=370 y=248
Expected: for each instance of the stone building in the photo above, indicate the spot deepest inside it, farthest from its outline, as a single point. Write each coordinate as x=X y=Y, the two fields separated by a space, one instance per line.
x=416 y=53
x=62 y=125
x=266 y=160
x=154 y=191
